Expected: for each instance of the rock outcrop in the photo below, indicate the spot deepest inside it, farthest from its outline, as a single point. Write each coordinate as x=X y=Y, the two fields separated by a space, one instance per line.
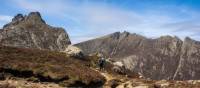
x=119 y=67
x=162 y=58
x=32 y=32
x=74 y=51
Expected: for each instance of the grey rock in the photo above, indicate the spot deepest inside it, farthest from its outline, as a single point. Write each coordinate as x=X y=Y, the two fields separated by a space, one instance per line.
x=74 y=51
x=32 y=32
x=162 y=58
x=119 y=67
x=18 y=17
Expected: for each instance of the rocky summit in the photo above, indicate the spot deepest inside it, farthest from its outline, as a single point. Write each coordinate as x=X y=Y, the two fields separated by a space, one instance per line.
x=31 y=31
x=166 y=57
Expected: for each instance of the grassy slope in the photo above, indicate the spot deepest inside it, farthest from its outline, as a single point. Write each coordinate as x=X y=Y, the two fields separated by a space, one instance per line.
x=47 y=66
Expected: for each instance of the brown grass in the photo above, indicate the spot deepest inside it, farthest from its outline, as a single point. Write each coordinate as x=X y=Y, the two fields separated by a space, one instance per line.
x=47 y=66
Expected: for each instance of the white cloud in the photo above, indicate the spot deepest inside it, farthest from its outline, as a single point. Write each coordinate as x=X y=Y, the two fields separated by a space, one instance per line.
x=4 y=19
x=95 y=19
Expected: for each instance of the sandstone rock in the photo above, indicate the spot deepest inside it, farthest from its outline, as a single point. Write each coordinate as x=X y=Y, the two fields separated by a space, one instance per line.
x=32 y=32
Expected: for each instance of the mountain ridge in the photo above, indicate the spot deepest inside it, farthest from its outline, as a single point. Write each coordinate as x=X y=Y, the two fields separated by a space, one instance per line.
x=165 y=57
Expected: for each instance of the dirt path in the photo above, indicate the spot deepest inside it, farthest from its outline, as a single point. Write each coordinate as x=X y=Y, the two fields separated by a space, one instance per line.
x=108 y=77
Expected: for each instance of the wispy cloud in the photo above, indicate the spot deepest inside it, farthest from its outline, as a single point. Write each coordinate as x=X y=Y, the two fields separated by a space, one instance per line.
x=93 y=19
x=4 y=19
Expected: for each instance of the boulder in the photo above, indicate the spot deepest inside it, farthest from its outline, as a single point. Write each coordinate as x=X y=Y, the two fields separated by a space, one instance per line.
x=119 y=67
x=74 y=51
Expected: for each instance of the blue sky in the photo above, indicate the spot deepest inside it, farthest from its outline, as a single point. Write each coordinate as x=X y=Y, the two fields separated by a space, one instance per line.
x=88 y=19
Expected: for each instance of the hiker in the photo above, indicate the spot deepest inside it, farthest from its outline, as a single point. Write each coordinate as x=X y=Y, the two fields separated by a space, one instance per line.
x=102 y=62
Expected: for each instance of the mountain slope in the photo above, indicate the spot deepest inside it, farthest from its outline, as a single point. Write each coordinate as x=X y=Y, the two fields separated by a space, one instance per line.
x=162 y=58
x=32 y=32
x=47 y=66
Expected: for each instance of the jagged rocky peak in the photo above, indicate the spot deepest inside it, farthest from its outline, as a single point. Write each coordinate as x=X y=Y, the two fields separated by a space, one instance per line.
x=35 y=17
x=188 y=39
x=125 y=34
x=115 y=35
x=168 y=38
x=31 y=31
x=189 y=43
x=18 y=17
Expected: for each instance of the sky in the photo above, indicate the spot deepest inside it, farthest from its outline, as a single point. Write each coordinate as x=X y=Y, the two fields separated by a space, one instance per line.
x=88 y=19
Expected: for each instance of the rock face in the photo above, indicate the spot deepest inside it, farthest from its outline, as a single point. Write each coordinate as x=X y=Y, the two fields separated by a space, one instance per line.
x=162 y=58
x=32 y=32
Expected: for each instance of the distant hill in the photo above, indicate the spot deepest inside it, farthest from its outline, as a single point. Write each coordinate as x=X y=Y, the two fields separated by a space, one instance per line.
x=31 y=31
x=162 y=58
